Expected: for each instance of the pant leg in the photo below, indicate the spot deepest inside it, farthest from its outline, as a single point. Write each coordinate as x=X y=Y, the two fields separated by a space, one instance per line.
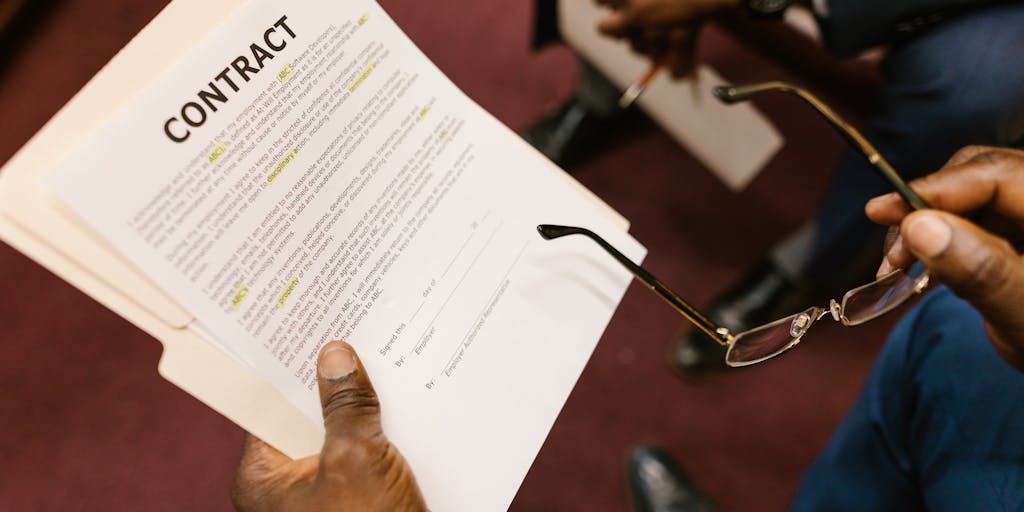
x=938 y=426
x=955 y=85
x=545 y=23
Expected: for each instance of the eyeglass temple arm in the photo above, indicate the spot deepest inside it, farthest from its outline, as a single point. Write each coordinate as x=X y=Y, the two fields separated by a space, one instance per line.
x=737 y=93
x=716 y=332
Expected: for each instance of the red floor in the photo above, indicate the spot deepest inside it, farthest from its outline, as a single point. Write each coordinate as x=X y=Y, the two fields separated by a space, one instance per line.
x=87 y=424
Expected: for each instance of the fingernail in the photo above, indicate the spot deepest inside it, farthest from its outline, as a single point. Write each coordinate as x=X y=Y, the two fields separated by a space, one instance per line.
x=896 y=247
x=884 y=268
x=337 y=363
x=896 y=250
x=927 y=235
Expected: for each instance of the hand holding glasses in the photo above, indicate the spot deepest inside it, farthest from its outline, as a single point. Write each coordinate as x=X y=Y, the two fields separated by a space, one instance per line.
x=857 y=306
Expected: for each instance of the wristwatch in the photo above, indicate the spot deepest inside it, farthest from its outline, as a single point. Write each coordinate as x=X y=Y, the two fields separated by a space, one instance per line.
x=766 y=8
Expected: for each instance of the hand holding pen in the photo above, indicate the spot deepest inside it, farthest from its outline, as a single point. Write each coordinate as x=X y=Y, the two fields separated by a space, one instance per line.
x=664 y=30
x=638 y=87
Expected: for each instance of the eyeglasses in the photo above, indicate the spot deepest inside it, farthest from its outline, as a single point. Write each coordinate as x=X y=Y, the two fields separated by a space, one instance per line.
x=857 y=306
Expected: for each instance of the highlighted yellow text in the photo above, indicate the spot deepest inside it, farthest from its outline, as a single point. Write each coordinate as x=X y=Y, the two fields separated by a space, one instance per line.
x=240 y=292
x=287 y=292
x=218 y=152
x=423 y=112
x=285 y=74
x=362 y=78
x=282 y=164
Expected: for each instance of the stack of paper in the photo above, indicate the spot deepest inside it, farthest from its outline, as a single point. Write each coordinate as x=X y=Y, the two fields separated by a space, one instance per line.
x=249 y=180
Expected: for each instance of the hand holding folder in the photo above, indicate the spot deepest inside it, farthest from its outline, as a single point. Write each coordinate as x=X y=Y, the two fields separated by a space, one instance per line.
x=505 y=207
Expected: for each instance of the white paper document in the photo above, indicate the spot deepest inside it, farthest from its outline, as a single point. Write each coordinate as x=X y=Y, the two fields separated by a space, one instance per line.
x=306 y=174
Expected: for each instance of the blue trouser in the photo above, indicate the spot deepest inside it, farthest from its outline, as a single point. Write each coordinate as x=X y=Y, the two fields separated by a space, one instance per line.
x=959 y=83
x=939 y=425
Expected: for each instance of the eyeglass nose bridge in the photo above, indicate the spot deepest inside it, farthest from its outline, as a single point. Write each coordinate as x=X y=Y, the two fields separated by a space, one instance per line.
x=803 y=322
x=836 y=310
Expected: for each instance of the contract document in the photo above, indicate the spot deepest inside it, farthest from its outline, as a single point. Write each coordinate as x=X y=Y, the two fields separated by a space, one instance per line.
x=305 y=174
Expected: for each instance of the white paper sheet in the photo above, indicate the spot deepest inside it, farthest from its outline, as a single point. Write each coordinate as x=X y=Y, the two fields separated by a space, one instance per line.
x=348 y=190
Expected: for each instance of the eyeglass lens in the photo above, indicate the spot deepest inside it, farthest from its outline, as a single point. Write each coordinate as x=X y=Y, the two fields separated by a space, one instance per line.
x=859 y=305
x=770 y=340
x=880 y=297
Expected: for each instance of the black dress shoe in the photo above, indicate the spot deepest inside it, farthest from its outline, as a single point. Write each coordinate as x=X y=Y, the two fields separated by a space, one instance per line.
x=765 y=295
x=658 y=485
x=570 y=133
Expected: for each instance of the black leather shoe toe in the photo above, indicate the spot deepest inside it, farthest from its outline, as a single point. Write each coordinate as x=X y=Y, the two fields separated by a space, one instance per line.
x=694 y=356
x=658 y=485
x=570 y=133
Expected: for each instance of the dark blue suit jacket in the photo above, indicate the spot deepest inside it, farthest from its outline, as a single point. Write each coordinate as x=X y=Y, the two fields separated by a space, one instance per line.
x=856 y=25
x=851 y=27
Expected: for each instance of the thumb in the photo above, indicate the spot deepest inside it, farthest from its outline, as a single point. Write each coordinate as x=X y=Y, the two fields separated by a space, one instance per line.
x=350 y=406
x=980 y=267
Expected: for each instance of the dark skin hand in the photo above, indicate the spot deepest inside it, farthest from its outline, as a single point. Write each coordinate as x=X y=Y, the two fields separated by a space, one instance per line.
x=980 y=261
x=664 y=30
x=358 y=469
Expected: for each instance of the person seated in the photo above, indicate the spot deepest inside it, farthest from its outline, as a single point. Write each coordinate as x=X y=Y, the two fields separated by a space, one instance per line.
x=939 y=424
x=946 y=84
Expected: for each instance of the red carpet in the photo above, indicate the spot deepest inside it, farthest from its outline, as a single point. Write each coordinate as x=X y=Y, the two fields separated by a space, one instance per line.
x=89 y=425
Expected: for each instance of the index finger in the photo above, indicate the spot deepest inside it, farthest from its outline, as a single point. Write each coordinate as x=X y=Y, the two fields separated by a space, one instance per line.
x=259 y=457
x=987 y=177
x=683 y=47
x=617 y=23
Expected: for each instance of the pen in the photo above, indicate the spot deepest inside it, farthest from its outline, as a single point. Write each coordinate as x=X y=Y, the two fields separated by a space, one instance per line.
x=629 y=97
